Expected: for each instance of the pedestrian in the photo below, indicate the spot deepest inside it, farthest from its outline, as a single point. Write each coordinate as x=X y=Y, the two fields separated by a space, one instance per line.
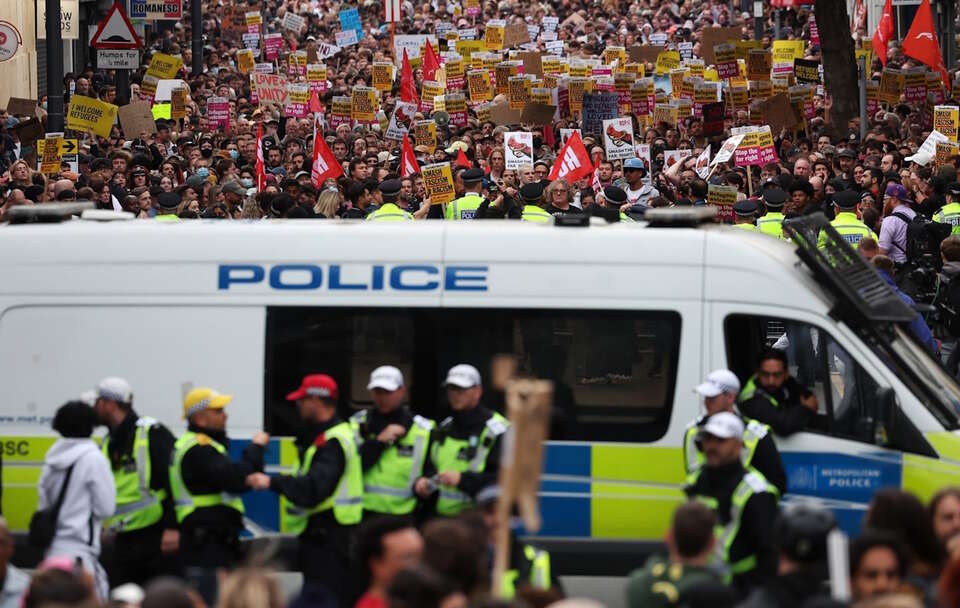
x=465 y=457
x=144 y=526
x=670 y=581
x=897 y=214
x=878 y=564
x=386 y=546
x=14 y=580
x=744 y=501
x=206 y=487
x=944 y=511
x=394 y=444
x=773 y=397
x=719 y=391
x=250 y=588
x=325 y=494
x=75 y=466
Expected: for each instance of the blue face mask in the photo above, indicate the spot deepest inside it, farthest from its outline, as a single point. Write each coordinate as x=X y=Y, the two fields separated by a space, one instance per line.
x=203 y=172
x=44 y=105
x=234 y=154
x=247 y=182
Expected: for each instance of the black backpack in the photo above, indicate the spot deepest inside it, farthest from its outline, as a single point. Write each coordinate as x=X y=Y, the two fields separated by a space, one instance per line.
x=43 y=524
x=923 y=236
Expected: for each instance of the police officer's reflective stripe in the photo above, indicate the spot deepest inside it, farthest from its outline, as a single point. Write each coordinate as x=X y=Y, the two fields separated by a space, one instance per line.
x=185 y=503
x=533 y=213
x=446 y=455
x=753 y=432
x=949 y=214
x=454 y=495
x=540 y=570
x=419 y=452
x=387 y=491
x=143 y=509
x=691 y=454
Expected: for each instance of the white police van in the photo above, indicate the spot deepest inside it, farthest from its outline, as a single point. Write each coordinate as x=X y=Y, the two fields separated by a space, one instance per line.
x=625 y=319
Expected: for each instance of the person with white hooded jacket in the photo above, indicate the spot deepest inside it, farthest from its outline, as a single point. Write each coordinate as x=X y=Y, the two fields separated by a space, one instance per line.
x=90 y=496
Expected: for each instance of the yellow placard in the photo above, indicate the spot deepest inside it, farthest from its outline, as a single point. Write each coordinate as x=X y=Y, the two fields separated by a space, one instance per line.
x=576 y=89
x=785 y=51
x=178 y=103
x=891 y=85
x=425 y=133
x=666 y=61
x=478 y=86
x=438 y=182
x=316 y=72
x=696 y=67
x=454 y=67
x=51 y=156
x=743 y=47
x=245 y=61
x=88 y=114
x=467 y=48
x=945 y=120
x=164 y=66
x=760 y=89
x=503 y=72
x=383 y=76
x=431 y=89
x=722 y=196
x=615 y=53
x=759 y=64
x=363 y=104
x=494 y=37
x=667 y=113
x=519 y=87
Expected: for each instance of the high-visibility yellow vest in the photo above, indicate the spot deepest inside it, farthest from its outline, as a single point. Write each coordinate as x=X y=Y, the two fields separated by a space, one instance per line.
x=137 y=505
x=949 y=214
x=533 y=213
x=446 y=457
x=389 y=212
x=748 y=227
x=346 y=501
x=693 y=458
x=185 y=502
x=850 y=228
x=750 y=389
x=539 y=573
x=388 y=484
x=771 y=223
x=464 y=208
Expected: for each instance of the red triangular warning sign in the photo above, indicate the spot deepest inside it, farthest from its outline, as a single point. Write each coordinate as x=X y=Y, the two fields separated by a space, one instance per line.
x=115 y=31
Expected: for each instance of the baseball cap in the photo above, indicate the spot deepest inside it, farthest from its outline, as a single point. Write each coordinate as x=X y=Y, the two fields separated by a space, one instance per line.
x=633 y=163
x=114 y=389
x=719 y=381
x=386 y=377
x=315 y=385
x=897 y=191
x=202 y=398
x=463 y=375
x=724 y=425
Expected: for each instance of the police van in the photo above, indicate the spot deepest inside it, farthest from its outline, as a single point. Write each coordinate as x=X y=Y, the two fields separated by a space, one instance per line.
x=624 y=319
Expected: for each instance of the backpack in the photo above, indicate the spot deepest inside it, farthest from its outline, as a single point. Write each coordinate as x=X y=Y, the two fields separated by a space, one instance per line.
x=923 y=236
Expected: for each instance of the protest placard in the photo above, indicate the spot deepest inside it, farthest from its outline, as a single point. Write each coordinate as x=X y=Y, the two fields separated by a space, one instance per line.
x=666 y=61
x=514 y=35
x=928 y=149
x=425 y=134
x=724 y=197
x=218 y=112
x=519 y=92
x=642 y=97
x=759 y=64
x=345 y=38
x=726 y=61
x=350 y=20
x=915 y=85
x=298 y=100
x=178 y=103
x=518 y=149
x=807 y=70
x=727 y=150
x=494 y=34
x=245 y=61
x=438 y=182
x=456 y=107
x=340 y=111
x=163 y=66
x=271 y=88
x=383 y=76
x=363 y=105
x=945 y=151
x=891 y=85
x=668 y=114
x=135 y=118
x=51 y=154
x=713 y=117
x=777 y=111
x=317 y=77
x=645 y=53
x=712 y=36
x=537 y=113
x=945 y=120
x=429 y=91
x=596 y=108
x=18 y=106
x=618 y=138
x=272 y=44
x=297 y=64
x=293 y=22
x=88 y=114
x=478 y=86
x=254 y=20
x=401 y=120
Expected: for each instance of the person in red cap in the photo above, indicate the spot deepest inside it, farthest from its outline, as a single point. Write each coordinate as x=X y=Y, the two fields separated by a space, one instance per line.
x=325 y=496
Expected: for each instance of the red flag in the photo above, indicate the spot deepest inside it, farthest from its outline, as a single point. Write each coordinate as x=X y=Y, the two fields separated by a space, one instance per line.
x=462 y=160
x=548 y=136
x=325 y=164
x=430 y=63
x=315 y=105
x=408 y=160
x=408 y=88
x=573 y=162
x=884 y=33
x=921 y=42
x=261 y=172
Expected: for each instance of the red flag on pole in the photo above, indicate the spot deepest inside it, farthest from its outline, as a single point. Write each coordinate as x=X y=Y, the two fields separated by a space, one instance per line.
x=884 y=33
x=462 y=160
x=315 y=105
x=408 y=88
x=325 y=165
x=921 y=42
x=573 y=162
x=408 y=160
x=261 y=172
x=430 y=63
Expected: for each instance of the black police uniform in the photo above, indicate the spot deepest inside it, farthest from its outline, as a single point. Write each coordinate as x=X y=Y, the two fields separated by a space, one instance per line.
x=766 y=458
x=136 y=556
x=209 y=536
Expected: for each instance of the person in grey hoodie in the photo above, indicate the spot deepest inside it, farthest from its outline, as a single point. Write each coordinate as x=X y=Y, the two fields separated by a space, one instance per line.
x=90 y=496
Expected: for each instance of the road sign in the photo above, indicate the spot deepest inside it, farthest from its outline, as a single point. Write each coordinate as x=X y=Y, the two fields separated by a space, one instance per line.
x=10 y=40
x=118 y=59
x=115 y=32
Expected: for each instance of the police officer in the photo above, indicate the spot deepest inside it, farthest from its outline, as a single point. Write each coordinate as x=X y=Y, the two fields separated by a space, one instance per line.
x=389 y=211
x=529 y=566
x=325 y=495
x=393 y=444
x=719 y=391
x=801 y=536
x=846 y=221
x=613 y=198
x=465 y=207
x=465 y=453
x=772 y=221
x=744 y=501
x=531 y=195
x=950 y=213
x=167 y=203
x=673 y=580
x=774 y=397
x=206 y=487
x=144 y=524
x=744 y=213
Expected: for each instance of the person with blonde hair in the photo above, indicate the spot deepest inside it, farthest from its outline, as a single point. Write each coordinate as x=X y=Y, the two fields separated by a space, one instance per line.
x=21 y=174
x=327 y=204
x=250 y=588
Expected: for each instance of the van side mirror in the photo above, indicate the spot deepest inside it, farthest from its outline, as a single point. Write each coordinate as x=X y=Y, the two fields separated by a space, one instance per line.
x=886 y=416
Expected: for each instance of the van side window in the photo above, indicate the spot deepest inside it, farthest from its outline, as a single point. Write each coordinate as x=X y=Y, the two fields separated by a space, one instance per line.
x=846 y=394
x=614 y=372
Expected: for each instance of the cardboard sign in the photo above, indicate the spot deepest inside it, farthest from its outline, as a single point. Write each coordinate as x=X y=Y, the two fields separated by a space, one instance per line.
x=777 y=111
x=136 y=118
x=218 y=112
x=946 y=120
x=759 y=64
x=645 y=53
x=597 y=108
x=501 y=114
x=438 y=182
x=532 y=63
x=271 y=88
x=518 y=149
x=18 y=106
x=515 y=34
x=363 y=105
x=618 y=138
x=538 y=114
x=88 y=114
x=712 y=36
x=425 y=134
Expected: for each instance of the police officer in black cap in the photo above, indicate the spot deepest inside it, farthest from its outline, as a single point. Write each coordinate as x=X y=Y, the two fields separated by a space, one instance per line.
x=846 y=221
x=167 y=203
x=531 y=195
x=609 y=203
x=772 y=221
x=465 y=207
x=389 y=211
x=801 y=536
x=744 y=213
